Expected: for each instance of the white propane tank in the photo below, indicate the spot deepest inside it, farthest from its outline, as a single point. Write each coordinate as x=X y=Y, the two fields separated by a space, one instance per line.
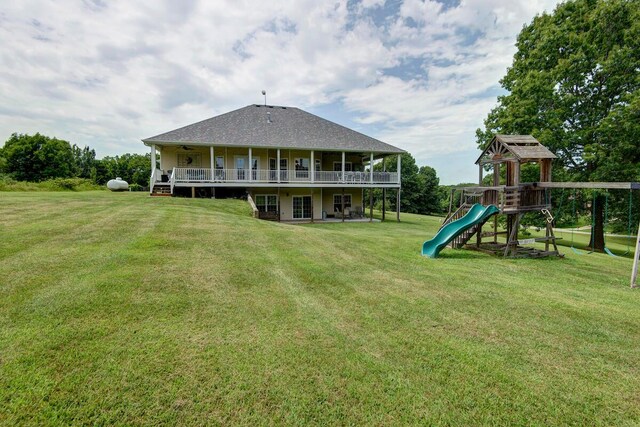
x=117 y=185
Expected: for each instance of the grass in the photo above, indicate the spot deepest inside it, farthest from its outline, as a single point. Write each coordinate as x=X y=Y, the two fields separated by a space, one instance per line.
x=119 y=308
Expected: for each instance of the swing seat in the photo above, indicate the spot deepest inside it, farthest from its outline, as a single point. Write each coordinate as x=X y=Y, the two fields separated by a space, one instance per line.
x=609 y=252
x=576 y=251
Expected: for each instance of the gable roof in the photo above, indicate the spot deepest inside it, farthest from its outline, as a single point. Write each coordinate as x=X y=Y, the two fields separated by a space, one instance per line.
x=273 y=127
x=523 y=148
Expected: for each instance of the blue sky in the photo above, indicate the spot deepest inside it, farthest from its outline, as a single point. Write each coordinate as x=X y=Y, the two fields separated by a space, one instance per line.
x=421 y=75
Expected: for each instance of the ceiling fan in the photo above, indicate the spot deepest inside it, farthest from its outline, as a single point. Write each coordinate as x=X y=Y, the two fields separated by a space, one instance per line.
x=185 y=148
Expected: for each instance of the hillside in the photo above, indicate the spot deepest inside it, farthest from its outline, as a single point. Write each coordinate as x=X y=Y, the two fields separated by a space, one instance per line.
x=126 y=309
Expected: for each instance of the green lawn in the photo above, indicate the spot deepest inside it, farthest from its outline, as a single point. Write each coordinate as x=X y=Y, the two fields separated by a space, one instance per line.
x=126 y=309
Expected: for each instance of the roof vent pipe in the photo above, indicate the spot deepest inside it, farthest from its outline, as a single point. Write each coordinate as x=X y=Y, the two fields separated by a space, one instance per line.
x=269 y=118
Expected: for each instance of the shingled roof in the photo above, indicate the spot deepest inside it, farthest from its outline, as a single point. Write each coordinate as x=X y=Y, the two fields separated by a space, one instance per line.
x=273 y=127
x=524 y=148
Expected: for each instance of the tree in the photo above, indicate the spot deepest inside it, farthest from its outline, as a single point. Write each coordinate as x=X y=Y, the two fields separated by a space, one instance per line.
x=133 y=168
x=430 y=196
x=37 y=157
x=84 y=162
x=420 y=191
x=573 y=84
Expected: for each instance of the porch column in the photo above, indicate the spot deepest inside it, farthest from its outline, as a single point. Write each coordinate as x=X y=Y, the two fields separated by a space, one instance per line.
x=153 y=162
x=213 y=163
x=399 y=167
x=250 y=165
x=371 y=167
x=312 y=166
x=278 y=169
x=398 y=205
x=343 y=161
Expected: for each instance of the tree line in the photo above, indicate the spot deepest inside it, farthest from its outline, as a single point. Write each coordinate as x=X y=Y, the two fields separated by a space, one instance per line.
x=36 y=158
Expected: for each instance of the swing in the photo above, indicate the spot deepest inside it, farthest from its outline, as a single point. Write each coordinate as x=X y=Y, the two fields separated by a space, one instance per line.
x=606 y=222
x=629 y=237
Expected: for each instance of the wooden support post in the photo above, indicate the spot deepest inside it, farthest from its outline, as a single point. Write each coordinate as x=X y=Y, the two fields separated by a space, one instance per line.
x=193 y=192
x=371 y=204
x=634 y=272
x=384 y=204
x=513 y=236
x=342 y=198
x=384 y=190
x=398 y=206
x=278 y=195
x=495 y=229
x=480 y=167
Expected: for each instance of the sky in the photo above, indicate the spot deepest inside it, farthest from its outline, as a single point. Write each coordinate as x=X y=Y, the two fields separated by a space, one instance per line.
x=418 y=74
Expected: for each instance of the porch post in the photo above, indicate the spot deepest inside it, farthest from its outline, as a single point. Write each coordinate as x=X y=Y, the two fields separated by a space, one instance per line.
x=399 y=166
x=213 y=161
x=312 y=166
x=278 y=167
x=398 y=205
x=371 y=167
x=153 y=162
x=312 y=206
x=250 y=165
x=343 y=159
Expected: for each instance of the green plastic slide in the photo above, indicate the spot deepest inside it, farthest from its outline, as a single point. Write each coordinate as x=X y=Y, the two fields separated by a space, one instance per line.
x=478 y=214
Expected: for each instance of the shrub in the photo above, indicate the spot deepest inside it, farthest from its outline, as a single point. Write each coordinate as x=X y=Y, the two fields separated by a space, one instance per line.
x=7 y=183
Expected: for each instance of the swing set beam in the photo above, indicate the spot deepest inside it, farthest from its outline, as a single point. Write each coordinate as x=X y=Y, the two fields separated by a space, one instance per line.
x=592 y=185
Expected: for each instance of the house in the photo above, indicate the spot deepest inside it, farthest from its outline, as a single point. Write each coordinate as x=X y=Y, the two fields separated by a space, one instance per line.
x=292 y=164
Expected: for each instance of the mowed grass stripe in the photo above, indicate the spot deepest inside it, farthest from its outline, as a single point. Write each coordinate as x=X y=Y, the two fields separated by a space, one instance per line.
x=181 y=311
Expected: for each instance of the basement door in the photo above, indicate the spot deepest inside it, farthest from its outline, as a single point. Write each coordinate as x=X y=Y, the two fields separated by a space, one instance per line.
x=301 y=207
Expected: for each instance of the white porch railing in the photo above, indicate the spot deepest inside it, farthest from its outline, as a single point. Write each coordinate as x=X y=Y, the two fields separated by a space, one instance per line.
x=203 y=175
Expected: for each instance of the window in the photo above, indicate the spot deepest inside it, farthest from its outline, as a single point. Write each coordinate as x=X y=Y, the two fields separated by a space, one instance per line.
x=219 y=162
x=219 y=172
x=302 y=167
x=267 y=202
x=284 y=173
x=301 y=207
x=337 y=166
x=318 y=165
x=337 y=202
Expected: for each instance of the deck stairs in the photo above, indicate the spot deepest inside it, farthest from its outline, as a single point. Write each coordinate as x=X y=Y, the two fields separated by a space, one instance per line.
x=161 y=190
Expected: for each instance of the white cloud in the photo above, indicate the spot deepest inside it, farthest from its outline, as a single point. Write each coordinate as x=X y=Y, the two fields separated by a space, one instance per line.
x=107 y=74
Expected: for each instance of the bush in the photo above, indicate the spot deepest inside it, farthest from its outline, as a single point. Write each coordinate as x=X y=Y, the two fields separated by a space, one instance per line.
x=135 y=187
x=7 y=183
